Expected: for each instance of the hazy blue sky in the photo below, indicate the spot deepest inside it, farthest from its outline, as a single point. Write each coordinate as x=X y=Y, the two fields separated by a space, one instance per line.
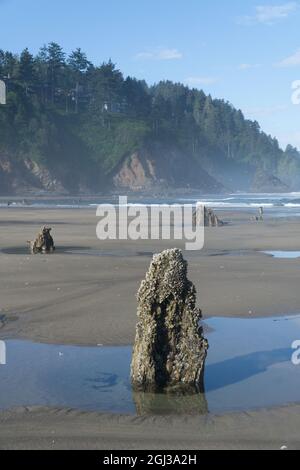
x=245 y=51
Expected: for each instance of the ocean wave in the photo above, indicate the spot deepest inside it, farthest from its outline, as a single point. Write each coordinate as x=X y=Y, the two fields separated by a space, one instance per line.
x=232 y=201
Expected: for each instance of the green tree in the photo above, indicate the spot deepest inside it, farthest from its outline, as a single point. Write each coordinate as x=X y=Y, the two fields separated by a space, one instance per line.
x=55 y=58
x=26 y=74
x=78 y=64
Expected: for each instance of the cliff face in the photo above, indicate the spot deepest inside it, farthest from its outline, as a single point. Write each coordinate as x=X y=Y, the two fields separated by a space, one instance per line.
x=156 y=167
x=163 y=167
x=268 y=183
x=22 y=177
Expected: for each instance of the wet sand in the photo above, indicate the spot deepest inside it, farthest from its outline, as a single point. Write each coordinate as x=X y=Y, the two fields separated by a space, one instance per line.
x=86 y=297
x=85 y=292
x=42 y=428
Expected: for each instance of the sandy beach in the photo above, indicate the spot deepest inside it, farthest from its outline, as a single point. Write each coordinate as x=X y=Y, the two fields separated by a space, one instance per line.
x=84 y=294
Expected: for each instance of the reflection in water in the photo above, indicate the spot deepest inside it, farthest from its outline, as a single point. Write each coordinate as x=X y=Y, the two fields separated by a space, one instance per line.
x=170 y=403
x=175 y=399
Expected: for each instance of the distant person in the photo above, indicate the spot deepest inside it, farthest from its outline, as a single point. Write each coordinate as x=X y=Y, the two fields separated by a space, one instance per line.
x=261 y=213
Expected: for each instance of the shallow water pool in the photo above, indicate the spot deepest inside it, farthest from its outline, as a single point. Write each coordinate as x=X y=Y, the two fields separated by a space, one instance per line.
x=248 y=366
x=283 y=254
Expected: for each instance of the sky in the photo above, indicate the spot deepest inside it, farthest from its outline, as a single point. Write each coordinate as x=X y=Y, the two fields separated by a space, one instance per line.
x=244 y=51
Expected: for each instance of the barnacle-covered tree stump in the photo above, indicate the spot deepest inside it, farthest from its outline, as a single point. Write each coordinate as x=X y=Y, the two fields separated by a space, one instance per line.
x=169 y=350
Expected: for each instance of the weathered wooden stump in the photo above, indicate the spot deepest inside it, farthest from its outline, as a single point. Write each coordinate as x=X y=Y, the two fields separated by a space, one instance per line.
x=203 y=215
x=169 y=350
x=43 y=243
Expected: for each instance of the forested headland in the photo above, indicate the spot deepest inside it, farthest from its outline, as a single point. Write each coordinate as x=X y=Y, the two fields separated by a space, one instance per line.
x=72 y=126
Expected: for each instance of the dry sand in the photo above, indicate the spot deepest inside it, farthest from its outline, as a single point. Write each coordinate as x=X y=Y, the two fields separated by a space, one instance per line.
x=76 y=296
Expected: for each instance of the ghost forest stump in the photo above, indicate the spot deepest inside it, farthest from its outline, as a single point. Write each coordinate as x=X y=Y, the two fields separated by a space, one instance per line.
x=170 y=350
x=207 y=217
x=43 y=242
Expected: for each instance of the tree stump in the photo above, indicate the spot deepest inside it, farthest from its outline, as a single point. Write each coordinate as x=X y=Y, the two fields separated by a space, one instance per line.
x=169 y=350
